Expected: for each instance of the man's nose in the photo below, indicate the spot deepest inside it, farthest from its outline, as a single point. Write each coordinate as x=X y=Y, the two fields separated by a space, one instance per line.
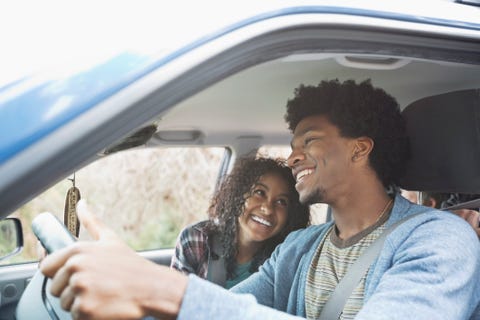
x=295 y=156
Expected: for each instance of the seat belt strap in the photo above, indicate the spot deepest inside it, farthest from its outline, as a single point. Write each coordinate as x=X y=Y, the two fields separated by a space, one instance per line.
x=473 y=204
x=335 y=304
x=217 y=272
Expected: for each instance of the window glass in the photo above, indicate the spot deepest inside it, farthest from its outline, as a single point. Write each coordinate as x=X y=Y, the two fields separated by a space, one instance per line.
x=318 y=211
x=146 y=195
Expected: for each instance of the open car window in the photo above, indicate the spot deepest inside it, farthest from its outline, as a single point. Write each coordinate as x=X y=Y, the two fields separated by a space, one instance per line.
x=146 y=195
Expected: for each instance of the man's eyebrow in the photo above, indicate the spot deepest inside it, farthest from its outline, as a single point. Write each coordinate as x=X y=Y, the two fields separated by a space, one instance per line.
x=310 y=128
x=302 y=132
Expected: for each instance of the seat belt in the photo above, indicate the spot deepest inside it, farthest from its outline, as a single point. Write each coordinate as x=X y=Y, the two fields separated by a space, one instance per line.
x=217 y=273
x=335 y=304
x=472 y=204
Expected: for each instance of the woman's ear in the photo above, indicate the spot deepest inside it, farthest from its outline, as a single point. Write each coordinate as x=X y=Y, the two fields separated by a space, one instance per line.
x=362 y=148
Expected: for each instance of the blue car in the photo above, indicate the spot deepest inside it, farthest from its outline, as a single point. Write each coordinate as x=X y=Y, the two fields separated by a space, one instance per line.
x=145 y=107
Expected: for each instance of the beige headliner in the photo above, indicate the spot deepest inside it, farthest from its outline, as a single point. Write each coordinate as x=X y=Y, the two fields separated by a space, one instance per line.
x=255 y=98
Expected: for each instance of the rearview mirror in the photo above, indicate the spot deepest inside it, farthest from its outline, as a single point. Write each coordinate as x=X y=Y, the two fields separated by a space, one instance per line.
x=11 y=237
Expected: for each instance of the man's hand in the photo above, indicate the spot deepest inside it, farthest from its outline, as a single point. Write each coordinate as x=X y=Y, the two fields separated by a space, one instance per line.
x=105 y=279
x=472 y=217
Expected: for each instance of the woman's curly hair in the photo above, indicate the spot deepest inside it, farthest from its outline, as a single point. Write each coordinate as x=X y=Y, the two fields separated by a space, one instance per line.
x=358 y=110
x=229 y=203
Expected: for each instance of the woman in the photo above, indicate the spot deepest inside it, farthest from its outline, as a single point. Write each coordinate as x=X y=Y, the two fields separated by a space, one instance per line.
x=255 y=208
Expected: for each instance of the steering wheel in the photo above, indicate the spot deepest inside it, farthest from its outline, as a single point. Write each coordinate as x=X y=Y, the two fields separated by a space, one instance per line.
x=36 y=301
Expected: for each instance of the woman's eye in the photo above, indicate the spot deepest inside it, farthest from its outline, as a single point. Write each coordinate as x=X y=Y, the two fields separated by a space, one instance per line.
x=283 y=202
x=259 y=192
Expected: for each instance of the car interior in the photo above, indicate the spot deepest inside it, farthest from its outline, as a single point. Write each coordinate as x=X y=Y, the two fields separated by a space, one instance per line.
x=231 y=94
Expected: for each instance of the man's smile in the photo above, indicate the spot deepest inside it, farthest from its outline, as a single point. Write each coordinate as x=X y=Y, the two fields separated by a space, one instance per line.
x=300 y=175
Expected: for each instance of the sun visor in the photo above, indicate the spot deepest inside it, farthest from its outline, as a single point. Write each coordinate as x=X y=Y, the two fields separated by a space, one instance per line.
x=444 y=135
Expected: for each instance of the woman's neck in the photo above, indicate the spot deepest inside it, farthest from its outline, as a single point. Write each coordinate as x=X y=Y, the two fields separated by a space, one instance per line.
x=246 y=251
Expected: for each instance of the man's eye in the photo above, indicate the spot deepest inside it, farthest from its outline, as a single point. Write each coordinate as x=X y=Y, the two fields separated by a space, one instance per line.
x=308 y=140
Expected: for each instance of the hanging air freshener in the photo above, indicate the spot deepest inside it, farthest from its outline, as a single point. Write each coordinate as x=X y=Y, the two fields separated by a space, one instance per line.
x=70 y=218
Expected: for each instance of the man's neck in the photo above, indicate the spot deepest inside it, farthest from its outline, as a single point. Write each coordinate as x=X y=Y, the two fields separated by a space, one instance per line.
x=360 y=210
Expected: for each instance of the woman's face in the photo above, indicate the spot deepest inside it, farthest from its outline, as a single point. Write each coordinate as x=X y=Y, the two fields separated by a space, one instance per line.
x=266 y=209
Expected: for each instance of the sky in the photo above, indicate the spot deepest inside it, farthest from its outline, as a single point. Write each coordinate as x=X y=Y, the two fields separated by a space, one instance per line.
x=63 y=36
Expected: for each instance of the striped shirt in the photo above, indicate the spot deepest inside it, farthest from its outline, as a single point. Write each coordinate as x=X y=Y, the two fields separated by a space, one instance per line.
x=330 y=263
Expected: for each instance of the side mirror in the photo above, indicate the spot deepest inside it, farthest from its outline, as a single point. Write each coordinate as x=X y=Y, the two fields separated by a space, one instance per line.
x=11 y=237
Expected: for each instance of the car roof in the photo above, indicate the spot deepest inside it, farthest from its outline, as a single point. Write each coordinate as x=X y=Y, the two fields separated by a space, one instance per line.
x=214 y=65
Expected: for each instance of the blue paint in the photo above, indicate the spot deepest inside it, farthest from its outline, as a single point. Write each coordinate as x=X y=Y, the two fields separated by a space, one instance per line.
x=39 y=110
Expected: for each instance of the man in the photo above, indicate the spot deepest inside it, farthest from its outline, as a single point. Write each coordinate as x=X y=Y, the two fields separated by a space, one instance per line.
x=349 y=145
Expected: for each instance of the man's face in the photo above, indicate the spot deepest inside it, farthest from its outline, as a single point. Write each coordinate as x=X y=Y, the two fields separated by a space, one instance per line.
x=321 y=160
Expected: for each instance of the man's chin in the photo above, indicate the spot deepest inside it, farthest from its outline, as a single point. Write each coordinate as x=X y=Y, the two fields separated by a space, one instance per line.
x=311 y=198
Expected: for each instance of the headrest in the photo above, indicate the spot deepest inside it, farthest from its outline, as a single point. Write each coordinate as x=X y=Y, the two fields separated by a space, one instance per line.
x=444 y=133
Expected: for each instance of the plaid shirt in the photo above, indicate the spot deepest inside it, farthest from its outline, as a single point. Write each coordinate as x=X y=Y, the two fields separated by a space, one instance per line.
x=192 y=252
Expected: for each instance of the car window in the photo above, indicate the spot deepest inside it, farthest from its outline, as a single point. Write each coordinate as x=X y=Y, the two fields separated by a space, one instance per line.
x=146 y=195
x=318 y=211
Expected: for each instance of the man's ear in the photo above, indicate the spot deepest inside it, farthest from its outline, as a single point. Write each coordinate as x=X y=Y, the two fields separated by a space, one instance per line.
x=362 y=148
